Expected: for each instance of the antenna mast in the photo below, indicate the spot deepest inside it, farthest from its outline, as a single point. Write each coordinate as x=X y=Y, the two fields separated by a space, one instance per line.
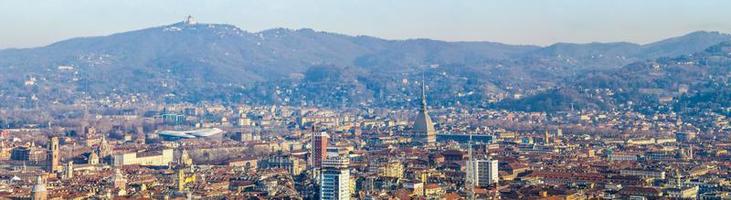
x=470 y=176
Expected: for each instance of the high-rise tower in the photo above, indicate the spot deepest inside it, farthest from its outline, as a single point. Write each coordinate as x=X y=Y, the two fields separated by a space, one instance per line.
x=480 y=172
x=53 y=157
x=424 y=131
x=335 y=176
x=319 y=148
x=485 y=172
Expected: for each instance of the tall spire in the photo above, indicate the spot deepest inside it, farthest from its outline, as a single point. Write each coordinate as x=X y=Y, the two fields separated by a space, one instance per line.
x=423 y=92
x=423 y=125
x=469 y=183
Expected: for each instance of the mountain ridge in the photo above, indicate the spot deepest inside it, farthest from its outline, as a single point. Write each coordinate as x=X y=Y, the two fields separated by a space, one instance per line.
x=693 y=33
x=198 y=59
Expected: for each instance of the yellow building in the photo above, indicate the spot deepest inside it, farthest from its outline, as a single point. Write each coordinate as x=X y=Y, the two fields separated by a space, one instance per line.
x=392 y=168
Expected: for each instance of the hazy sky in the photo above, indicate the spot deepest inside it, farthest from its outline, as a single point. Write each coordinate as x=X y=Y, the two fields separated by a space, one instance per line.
x=40 y=22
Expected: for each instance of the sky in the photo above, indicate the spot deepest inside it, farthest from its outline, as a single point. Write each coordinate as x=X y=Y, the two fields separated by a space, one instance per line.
x=540 y=22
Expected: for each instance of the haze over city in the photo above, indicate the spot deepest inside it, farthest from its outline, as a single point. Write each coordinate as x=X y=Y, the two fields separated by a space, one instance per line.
x=372 y=100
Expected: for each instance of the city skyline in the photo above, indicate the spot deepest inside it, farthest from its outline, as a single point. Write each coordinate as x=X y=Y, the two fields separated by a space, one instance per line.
x=178 y=99
x=514 y=22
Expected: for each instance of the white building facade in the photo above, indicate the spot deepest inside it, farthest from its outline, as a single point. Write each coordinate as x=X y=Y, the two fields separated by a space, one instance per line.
x=485 y=172
x=335 y=178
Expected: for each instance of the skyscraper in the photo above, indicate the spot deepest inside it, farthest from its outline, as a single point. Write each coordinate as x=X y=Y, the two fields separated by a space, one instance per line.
x=319 y=148
x=335 y=177
x=485 y=172
x=424 y=132
x=53 y=157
